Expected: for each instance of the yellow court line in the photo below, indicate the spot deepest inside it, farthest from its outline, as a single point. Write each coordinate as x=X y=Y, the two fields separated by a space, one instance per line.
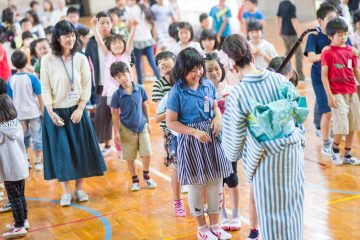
x=343 y=199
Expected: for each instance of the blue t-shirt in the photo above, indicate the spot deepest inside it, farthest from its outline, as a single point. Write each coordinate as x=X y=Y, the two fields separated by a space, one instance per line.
x=218 y=16
x=131 y=107
x=247 y=16
x=190 y=104
x=315 y=43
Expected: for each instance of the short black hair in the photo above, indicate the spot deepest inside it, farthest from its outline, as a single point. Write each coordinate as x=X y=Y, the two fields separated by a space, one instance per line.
x=115 y=11
x=83 y=31
x=26 y=35
x=19 y=59
x=336 y=25
x=49 y=30
x=253 y=1
x=33 y=3
x=276 y=62
x=72 y=10
x=211 y=35
x=7 y=16
x=214 y=56
x=173 y=30
x=356 y=16
x=24 y=20
x=7 y=109
x=324 y=10
x=112 y=38
x=103 y=14
x=119 y=67
x=32 y=48
x=35 y=17
x=62 y=28
x=187 y=26
x=3 y=86
x=163 y=55
x=202 y=17
x=254 y=25
x=185 y=62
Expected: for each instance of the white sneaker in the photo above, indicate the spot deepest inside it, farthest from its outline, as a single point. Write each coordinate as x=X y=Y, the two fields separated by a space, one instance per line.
x=327 y=151
x=335 y=157
x=221 y=234
x=208 y=235
x=66 y=200
x=12 y=226
x=39 y=166
x=15 y=233
x=318 y=133
x=225 y=224
x=135 y=187
x=81 y=196
x=352 y=161
x=235 y=224
x=107 y=151
x=150 y=183
x=184 y=189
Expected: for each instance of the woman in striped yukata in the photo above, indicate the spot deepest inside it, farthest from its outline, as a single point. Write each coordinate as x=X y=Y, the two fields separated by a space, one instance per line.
x=192 y=111
x=262 y=125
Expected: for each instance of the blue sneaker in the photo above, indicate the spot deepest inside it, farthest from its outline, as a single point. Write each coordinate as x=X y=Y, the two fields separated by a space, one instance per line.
x=253 y=235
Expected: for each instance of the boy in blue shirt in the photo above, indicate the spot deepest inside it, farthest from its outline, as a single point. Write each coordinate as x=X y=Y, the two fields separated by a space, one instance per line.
x=134 y=131
x=221 y=14
x=314 y=46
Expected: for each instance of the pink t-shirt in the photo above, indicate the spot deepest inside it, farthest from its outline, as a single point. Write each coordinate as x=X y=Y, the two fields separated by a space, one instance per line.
x=110 y=85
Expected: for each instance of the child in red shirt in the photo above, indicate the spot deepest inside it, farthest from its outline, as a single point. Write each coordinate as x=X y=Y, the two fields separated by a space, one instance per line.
x=339 y=67
x=5 y=71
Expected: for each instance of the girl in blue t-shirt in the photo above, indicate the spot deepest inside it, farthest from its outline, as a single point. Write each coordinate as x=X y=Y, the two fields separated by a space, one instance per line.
x=192 y=111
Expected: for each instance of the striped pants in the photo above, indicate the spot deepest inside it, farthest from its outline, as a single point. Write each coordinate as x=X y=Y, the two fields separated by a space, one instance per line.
x=16 y=195
x=279 y=193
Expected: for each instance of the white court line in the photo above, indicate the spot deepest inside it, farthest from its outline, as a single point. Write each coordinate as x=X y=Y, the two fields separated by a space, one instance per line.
x=168 y=179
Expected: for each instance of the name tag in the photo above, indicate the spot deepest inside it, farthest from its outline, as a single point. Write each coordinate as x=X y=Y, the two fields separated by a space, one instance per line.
x=206 y=105
x=72 y=96
x=349 y=63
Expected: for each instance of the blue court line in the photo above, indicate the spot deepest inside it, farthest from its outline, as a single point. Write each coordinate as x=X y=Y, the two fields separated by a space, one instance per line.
x=104 y=221
x=314 y=186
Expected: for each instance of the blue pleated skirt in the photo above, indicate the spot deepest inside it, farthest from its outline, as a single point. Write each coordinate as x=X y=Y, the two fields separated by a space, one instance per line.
x=71 y=152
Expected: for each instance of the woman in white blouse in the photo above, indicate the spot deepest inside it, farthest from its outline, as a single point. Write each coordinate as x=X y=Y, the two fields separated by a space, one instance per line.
x=71 y=150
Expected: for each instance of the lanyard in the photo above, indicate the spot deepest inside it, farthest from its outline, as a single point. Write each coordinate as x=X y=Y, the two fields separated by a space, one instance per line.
x=71 y=79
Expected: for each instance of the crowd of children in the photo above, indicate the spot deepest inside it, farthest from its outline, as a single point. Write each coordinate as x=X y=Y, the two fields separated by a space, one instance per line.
x=54 y=69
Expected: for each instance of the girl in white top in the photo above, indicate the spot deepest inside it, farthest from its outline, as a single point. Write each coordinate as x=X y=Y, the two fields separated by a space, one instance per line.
x=186 y=35
x=37 y=28
x=262 y=50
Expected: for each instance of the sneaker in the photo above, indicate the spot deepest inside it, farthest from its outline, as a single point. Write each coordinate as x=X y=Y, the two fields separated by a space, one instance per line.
x=106 y=151
x=150 y=183
x=253 y=235
x=39 y=166
x=318 y=133
x=224 y=224
x=327 y=151
x=66 y=200
x=235 y=224
x=81 y=196
x=208 y=235
x=352 y=161
x=184 y=189
x=179 y=209
x=335 y=157
x=5 y=208
x=12 y=226
x=221 y=234
x=135 y=187
x=15 y=233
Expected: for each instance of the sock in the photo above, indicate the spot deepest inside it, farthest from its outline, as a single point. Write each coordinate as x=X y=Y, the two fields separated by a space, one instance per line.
x=223 y=214
x=135 y=179
x=348 y=153
x=235 y=213
x=336 y=148
x=215 y=227
x=37 y=159
x=146 y=175
x=203 y=229
x=326 y=143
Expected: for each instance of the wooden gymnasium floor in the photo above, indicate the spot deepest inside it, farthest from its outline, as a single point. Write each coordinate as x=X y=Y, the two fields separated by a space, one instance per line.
x=332 y=200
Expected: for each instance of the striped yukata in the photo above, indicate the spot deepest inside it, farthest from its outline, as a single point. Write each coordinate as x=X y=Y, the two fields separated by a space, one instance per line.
x=275 y=167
